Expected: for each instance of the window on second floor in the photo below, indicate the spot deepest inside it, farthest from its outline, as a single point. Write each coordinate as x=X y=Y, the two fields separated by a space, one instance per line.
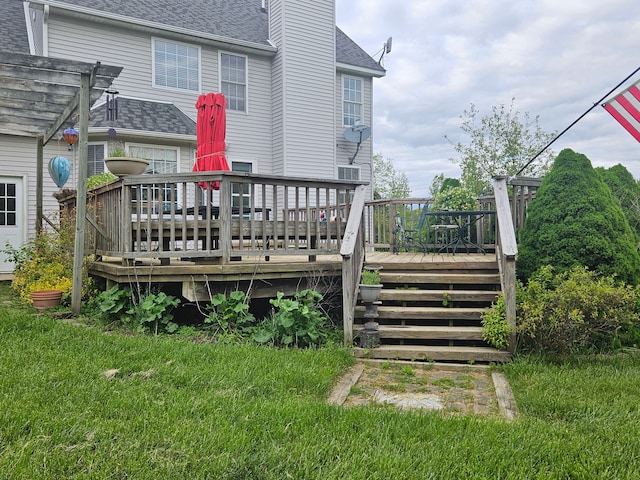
x=176 y=65
x=352 y=100
x=233 y=81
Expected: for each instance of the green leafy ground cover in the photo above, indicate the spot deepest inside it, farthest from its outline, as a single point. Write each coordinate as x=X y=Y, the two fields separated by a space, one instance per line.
x=178 y=409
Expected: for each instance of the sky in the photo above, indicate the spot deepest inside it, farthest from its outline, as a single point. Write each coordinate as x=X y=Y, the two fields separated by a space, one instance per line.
x=555 y=58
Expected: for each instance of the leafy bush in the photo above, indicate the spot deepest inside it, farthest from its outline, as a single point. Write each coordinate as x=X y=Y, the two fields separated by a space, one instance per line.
x=627 y=191
x=100 y=179
x=495 y=329
x=455 y=198
x=370 y=277
x=575 y=220
x=145 y=312
x=230 y=317
x=44 y=262
x=575 y=311
x=294 y=322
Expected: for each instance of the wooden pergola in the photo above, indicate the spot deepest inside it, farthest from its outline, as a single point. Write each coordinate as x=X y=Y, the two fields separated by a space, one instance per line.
x=38 y=97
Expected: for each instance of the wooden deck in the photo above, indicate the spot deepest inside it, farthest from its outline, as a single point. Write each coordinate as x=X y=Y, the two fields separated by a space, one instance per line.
x=264 y=276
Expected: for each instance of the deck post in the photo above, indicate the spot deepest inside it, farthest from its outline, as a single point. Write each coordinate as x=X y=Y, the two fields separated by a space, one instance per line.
x=506 y=254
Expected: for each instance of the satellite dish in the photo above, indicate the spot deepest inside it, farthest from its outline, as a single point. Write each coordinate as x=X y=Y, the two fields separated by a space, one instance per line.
x=357 y=133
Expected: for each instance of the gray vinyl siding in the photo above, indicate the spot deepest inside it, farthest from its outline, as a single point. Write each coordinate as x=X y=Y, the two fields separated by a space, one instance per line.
x=248 y=134
x=305 y=37
x=277 y=89
x=18 y=157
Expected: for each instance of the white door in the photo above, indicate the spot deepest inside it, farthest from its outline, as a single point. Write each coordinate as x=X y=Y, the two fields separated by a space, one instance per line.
x=11 y=218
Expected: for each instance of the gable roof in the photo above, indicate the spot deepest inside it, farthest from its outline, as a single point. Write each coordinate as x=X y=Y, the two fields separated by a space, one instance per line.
x=14 y=37
x=240 y=22
x=349 y=52
x=145 y=116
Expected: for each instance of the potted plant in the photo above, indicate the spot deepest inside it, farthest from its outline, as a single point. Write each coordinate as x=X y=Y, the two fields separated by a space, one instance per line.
x=370 y=286
x=121 y=164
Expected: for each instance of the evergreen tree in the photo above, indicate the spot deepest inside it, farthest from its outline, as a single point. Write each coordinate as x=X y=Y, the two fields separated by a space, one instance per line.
x=575 y=220
x=625 y=188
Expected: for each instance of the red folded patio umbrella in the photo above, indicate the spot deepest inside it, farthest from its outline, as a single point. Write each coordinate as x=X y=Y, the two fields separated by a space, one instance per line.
x=211 y=125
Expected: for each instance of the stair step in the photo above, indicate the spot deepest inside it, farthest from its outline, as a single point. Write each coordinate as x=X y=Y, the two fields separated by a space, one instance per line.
x=412 y=278
x=424 y=313
x=427 y=332
x=434 y=353
x=462 y=263
x=400 y=294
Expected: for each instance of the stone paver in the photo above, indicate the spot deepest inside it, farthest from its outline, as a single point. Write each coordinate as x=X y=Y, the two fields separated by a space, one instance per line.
x=457 y=389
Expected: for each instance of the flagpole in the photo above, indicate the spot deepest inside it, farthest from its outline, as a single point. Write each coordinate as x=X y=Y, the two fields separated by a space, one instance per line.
x=577 y=120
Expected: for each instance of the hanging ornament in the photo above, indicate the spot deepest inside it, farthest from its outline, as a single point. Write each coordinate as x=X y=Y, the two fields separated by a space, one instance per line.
x=70 y=136
x=59 y=170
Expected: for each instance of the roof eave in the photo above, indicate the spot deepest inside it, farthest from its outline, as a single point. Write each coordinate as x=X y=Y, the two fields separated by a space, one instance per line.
x=112 y=18
x=345 y=67
x=143 y=134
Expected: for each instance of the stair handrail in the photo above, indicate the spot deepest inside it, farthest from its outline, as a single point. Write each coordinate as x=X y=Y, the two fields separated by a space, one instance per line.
x=352 y=252
x=506 y=253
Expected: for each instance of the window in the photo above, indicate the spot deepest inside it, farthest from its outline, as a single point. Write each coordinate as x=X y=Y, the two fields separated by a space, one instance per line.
x=236 y=188
x=347 y=173
x=176 y=65
x=95 y=159
x=233 y=81
x=161 y=160
x=352 y=98
x=8 y=204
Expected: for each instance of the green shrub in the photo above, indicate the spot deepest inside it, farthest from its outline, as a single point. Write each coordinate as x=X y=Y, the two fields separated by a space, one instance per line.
x=145 y=312
x=100 y=179
x=574 y=311
x=44 y=262
x=229 y=318
x=495 y=329
x=455 y=198
x=295 y=321
x=627 y=191
x=575 y=220
x=370 y=277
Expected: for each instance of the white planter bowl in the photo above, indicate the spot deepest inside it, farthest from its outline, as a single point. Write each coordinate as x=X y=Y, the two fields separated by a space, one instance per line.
x=122 y=166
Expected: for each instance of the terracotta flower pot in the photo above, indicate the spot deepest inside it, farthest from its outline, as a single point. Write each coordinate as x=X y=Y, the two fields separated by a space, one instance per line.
x=43 y=299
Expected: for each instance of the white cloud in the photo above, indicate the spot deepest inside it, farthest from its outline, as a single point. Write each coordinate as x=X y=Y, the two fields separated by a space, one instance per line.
x=555 y=58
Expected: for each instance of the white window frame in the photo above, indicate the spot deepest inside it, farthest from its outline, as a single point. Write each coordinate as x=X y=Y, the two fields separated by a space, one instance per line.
x=156 y=205
x=349 y=101
x=245 y=84
x=342 y=197
x=105 y=154
x=235 y=194
x=154 y=41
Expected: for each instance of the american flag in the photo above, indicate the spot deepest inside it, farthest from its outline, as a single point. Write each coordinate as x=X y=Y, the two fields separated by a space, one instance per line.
x=625 y=108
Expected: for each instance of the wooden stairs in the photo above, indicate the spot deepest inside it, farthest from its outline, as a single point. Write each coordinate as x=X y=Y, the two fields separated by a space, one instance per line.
x=430 y=308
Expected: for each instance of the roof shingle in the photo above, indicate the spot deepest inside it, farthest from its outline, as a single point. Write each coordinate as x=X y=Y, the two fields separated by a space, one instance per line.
x=147 y=116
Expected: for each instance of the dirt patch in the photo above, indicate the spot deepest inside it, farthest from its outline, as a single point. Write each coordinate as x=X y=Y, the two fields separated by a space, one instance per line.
x=448 y=388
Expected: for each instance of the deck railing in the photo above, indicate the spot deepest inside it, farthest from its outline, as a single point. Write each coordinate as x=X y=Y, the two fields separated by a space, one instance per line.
x=170 y=216
x=353 y=252
x=381 y=217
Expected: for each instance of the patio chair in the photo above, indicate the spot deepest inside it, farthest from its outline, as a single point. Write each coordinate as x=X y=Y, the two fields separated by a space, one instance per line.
x=409 y=237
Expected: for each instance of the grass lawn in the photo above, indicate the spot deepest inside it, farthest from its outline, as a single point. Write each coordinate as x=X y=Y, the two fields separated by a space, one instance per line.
x=177 y=409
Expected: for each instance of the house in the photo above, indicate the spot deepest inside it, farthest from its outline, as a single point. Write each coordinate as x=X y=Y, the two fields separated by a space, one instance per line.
x=293 y=82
